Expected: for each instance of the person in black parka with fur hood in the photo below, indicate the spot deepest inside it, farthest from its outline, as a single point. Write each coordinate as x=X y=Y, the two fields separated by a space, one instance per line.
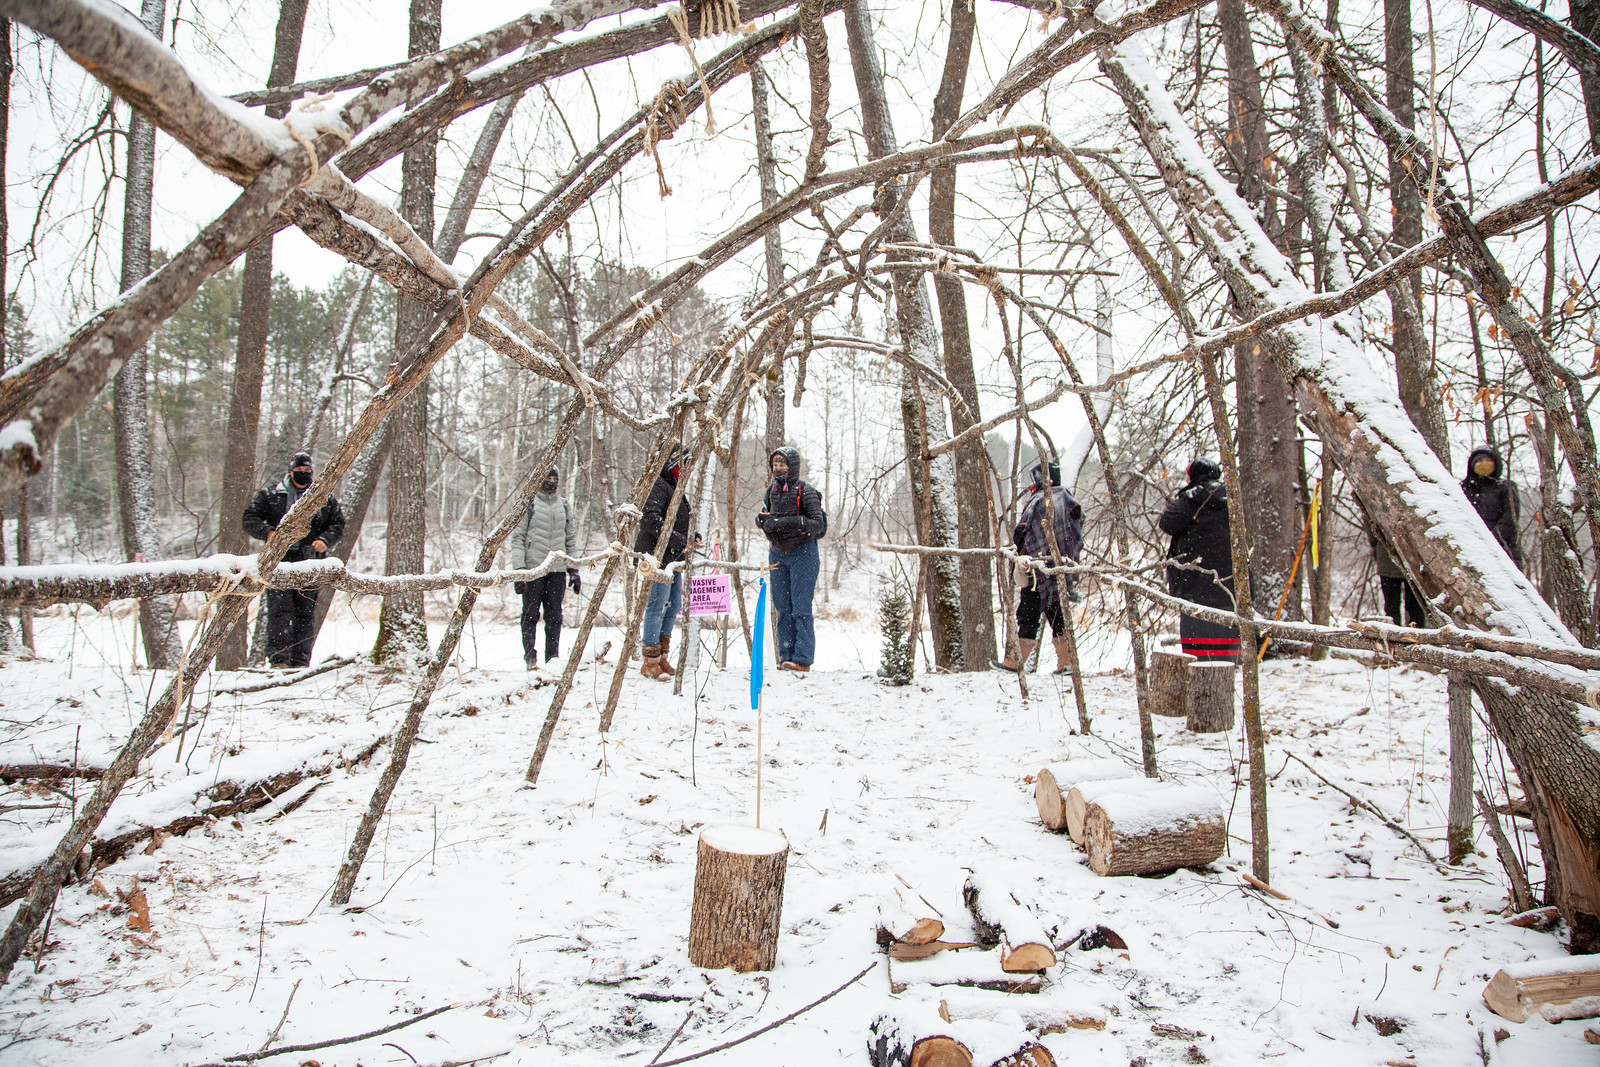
x=1494 y=497
x=1197 y=521
x=665 y=597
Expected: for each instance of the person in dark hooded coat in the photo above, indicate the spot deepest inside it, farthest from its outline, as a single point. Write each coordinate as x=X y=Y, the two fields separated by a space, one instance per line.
x=1039 y=596
x=793 y=520
x=1494 y=497
x=1197 y=521
x=661 y=610
x=290 y=612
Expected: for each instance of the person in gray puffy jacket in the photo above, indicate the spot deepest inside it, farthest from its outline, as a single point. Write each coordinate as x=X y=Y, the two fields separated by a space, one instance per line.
x=546 y=527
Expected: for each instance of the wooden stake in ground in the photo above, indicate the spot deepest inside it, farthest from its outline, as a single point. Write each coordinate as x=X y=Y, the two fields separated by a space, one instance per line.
x=757 y=655
x=738 y=897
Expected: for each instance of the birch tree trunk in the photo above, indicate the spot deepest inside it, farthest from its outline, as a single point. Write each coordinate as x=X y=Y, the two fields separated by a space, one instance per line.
x=930 y=483
x=972 y=470
x=402 y=628
x=135 y=473
x=255 y=311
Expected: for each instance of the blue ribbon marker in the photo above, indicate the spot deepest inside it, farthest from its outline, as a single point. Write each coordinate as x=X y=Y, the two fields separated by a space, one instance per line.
x=757 y=654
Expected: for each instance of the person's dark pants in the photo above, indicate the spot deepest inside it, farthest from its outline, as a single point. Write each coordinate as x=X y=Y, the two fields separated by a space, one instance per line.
x=1029 y=613
x=1396 y=591
x=1211 y=642
x=289 y=626
x=542 y=594
x=793 y=582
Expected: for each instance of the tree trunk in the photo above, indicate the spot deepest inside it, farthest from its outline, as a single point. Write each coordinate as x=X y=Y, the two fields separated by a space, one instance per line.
x=402 y=628
x=930 y=483
x=24 y=615
x=767 y=172
x=1169 y=675
x=1585 y=16
x=972 y=469
x=738 y=898
x=1208 y=698
x=135 y=471
x=1459 y=816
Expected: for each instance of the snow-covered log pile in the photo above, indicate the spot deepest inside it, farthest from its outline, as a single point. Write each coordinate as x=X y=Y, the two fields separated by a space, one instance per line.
x=999 y=917
x=1155 y=830
x=921 y=1034
x=1055 y=780
x=1080 y=796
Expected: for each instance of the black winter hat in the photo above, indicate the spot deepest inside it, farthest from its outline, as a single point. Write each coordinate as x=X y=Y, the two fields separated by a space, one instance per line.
x=1037 y=474
x=301 y=459
x=1204 y=469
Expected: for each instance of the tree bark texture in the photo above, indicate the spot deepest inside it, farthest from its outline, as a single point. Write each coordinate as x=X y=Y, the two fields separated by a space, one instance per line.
x=1585 y=16
x=1390 y=466
x=930 y=483
x=1169 y=675
x=1459 y=814
x=1146 y=846
x=738 y=900
x=772 y=390
x=971 y=465
x=255 y=313
x=402 y=627
x=135 y=471
x=1208 y=697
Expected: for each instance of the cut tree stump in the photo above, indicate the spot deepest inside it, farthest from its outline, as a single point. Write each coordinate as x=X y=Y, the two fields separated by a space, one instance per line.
x=738 y=897
x=917 y=1033
x=1079 y=797
x=1208 y=697
x=999 y=917
x=1055 y=780
x=1150 y=832
x=1169 y=677
x=1565 y=988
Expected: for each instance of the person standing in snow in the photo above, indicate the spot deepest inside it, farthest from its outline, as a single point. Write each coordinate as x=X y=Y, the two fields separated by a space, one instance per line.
x=1202 y=558
x=546 y=527
x=290 y=611
x=1494 y=497
x=793 y=520
x=1400 y=600
x=665 y=597
x=1039 y=595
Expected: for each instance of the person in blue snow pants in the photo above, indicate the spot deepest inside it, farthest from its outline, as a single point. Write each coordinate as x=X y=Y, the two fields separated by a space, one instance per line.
x=793 y=520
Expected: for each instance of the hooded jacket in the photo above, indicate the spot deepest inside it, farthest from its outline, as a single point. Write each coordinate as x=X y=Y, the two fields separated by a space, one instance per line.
x=271 y=504
x=655 y=515
x=1197 y=521
x=1495 y=499
x=791 y=509
x=546 y=527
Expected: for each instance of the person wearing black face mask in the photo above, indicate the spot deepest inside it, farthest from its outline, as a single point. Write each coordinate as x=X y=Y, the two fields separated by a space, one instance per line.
x=290 y=611
x=546 y=527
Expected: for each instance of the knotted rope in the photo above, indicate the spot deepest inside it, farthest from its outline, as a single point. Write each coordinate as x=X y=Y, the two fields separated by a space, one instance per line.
x=662 y=120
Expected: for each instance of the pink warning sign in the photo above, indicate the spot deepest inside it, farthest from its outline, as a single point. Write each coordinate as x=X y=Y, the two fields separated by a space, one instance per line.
x=711 y=595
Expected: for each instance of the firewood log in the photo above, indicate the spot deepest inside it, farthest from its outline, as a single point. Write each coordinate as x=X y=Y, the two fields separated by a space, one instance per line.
x=904 y=917
x=1208 y=697
x=914 y=1033
x=1159 y=830
x=738 y=896
x=999 y=917
x=901 y=950
x=974 y=968
x=1079 y=797
x=1564 y=988
x=1055 y=780
x=1169 y=675
x=1056 y=1010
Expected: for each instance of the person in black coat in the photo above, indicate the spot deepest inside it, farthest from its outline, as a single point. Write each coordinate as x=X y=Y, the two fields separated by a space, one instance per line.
x=793 y=520
x=290 y=611
x=1494 y=497
x=1197 y=521
x=1038 y=596
x=665 y=597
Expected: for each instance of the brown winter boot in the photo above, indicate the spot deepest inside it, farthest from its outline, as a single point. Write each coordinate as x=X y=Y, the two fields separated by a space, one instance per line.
x=651 y=667
x=665 y=660
x=1063 y=656
x=1025 y=649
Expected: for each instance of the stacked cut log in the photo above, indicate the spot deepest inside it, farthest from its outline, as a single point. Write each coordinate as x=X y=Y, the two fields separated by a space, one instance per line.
x=908 y=927
x=973 y=968
x=1169 y=677
x=1564 y=988
x=1079 y=797
x=1055 y=780
x=1208 y=697
x=1154 y=830
x=738 y=897
x=1053 y=1011
x=922 y=1034
x=1000 y=918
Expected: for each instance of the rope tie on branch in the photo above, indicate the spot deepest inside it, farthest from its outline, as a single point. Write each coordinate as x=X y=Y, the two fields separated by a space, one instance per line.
x=679 y=17
x=310 y=106
x=666 y=115
x=1055 y=12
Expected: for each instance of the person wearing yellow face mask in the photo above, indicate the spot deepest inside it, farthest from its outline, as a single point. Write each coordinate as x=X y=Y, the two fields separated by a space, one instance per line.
x=1494 y=497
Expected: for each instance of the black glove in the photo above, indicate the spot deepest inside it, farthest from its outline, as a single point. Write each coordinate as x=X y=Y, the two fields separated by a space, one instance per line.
x=521 y=587
x=784 y=525
x=574 y=581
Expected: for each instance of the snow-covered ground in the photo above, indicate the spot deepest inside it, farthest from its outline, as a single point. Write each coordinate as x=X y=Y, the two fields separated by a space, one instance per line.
x=554 y=919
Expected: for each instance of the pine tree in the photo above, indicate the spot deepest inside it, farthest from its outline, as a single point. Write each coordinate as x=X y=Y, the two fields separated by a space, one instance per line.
x=894 y=609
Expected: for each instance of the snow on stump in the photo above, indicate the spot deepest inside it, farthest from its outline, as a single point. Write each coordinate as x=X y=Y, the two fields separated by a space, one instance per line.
x=999 y=917
x=738 y=895
x=1564 y=988
x=1054 y=780
x=920 y=1034
x=1079 y=797
x=1169 y=677
x=1208 y=697
x=1154 y=831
